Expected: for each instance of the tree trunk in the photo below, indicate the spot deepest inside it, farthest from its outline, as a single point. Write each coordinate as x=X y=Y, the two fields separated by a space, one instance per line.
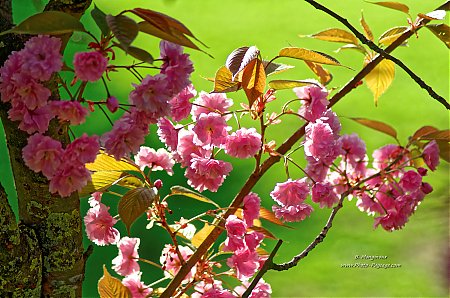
x=43 y=254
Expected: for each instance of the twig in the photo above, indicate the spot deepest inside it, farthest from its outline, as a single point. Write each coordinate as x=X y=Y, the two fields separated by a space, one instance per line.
x=382 y=52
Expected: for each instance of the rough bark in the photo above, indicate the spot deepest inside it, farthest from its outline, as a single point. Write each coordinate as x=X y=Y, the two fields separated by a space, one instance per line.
x=45 y=248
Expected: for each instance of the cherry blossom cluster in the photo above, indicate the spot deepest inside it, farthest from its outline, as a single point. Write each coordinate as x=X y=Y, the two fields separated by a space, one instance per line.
x=337 y=164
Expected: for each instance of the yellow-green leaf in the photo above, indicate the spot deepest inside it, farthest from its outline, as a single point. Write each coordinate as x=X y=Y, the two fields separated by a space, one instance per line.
x=124 y=28
x=378 y=126
x=390 y=35
x=183 y=191
x=324 y=75
x=367 y=32
x=289 y=84
x=270 y=216
x=105 y=162
x=308 y=55
x=253 y=80
x=223 y=81
x=100 y=181
x=134 y=203
x=48 y=22
x=111 y=287
x=442 y=31
x=380 y=78
x=336 y=35
x=201 y=235
x=393 y=5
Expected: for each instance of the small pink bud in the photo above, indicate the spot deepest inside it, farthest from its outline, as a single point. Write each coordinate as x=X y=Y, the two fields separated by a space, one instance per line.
x=422 y=171
x=112 y=104
x=158 y=184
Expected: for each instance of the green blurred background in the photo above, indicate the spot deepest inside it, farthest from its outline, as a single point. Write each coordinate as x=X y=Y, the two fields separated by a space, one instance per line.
x=421 y=248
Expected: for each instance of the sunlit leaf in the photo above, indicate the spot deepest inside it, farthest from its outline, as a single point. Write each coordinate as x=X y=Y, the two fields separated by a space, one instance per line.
x=134 y=203
x=105 y=162
x=289 y=84
x=262 y=252
x=264 y=231
x=380 y=78
x=442 y=31
x=393 y=5
x=183 y=191
x=201 y=235
x=390 y=35
x=130 y=182
x=323 y=74
x=139 y=54
x=367 y=31
x=270 y=216
x=111 y=287
x=124 y=28
x=336 y=35
x=274 y=68
x=239 y=58
x=378 y=126
x=100 y=19
x=47 y=22
x=223 y=81
x=254 y=80
x=350 y=46
x=434 y=15
x=308 y=55
x=102 y=180
x=423 y=131
x=443 y=135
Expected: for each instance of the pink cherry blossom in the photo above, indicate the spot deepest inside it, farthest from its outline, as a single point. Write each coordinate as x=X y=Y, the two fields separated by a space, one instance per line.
x=235 y=227
x=202 y=287
x=252 y=204
x=43 y=153
x=71 y=111
x=210 y=129
x=186 y=148
x=323 y=194
x=316 y=169
x=180 y=106
x=397 y=215
x=69 y=178
x=152 y=96
x=291 y=192
x=29 y=92
x=411 y=181
x=100 y=225
x=155 y=160
x=354 y=149
x=177 y=66
x=245 y=262
x=42 y=57
x=262 y=289
x=243 y=143
x=292 y=213
x=216 y=293
x=31 y=121
x=368 y=204
x=205 y=173
x=126 y=261
x=211 y=102
x=315 y=101
x=431 y=155
x=253 y=240
x=386 y=155
x=320 y=142
x=9 y=73
x=168 y=134
x=137 y=288
x=95 y=199
x=82 y=150
x=171 y=263
x=332 y=120
x=89 y=66
x=112 y=104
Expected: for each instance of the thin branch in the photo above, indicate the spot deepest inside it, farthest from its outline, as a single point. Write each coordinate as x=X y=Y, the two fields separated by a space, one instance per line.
x=382 y=52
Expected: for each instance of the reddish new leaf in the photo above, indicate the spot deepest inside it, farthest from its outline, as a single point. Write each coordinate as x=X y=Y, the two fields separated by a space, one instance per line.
x=394 y=5
x=274 y=68
x=423 y=131
x=442 y=31
x=378 y=126
x=239 y=58
x=442 y=135
x=177 y=38
x=124 y=29
x=254 y=80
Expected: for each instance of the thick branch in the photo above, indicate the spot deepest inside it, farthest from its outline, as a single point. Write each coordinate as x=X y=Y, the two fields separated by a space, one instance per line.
x=268 y=163
x=383 y=53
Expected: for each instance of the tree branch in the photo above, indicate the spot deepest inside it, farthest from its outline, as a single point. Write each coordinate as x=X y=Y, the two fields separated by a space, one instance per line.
x=383 y=53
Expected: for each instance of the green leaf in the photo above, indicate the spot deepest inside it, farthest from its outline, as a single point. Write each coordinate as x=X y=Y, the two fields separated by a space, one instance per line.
x=239 y=58
x=100 y=19
x=393 y=5
x=253 y=80
x=289 y=84
x=183 y=191
x=48 y=22
x=223 y=81
x=134 y=203
x=380 y=78
x=124 y=28
x=139 y=54
x=335 y=35
x=442 y=31
x=378 y=126
x=105 y=162
x=201 y=235
x=274 y=68
x=390 y=35
x=308 y=55
x=111 y=287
